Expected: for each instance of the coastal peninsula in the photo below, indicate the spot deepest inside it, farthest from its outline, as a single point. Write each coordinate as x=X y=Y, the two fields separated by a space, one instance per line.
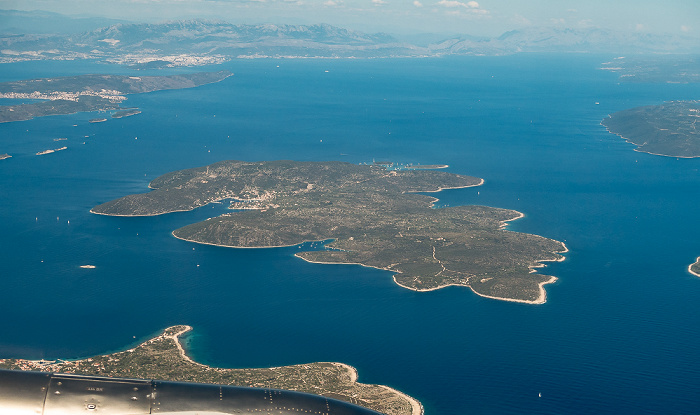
x=694 y=268
x=83 y=93
x=666 y=130
x=373 y=216
x=164 y=358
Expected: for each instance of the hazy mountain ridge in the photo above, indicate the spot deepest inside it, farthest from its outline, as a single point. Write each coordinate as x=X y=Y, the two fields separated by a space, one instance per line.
x=198 y=42
x=566 y=40
x=595 y=40
x=39 y=21
x=202 y=31
x=142 y=42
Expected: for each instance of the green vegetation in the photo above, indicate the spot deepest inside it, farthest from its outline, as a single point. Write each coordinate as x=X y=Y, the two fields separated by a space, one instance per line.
x=373 y=215
x=83 y=93
x=163 y=358
x=23 y=112
x=666 y=130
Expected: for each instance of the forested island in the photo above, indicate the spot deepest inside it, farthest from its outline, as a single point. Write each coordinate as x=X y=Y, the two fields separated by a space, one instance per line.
x=375 y=218
x=163 y=357
x=666 y=130
x=83 y=93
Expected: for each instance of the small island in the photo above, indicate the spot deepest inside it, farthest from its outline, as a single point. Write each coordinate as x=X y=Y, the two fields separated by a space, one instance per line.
x=126 y=113
x=666 y=130
x=375 y=217
x=85 y=93
x=49 y=151
x=164 y=358
x=694 y=268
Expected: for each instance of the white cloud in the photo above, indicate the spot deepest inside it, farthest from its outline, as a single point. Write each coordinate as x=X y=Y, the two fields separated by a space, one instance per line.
x=470 y=7
x=417 y=3
x=330 y=3
x=639 y=27
x=378 y=2
x=685 y=28
x=455 y=3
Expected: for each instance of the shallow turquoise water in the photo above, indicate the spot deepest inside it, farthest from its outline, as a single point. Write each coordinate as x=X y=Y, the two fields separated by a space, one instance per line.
x=619 y=333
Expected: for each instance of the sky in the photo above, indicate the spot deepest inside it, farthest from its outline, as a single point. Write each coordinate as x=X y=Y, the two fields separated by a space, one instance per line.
x=474 y=17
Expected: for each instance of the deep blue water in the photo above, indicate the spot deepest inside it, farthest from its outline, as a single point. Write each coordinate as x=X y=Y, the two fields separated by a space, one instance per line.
x=620 y=332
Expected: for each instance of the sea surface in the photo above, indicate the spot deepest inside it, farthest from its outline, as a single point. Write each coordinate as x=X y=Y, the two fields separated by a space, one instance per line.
x=619 y=333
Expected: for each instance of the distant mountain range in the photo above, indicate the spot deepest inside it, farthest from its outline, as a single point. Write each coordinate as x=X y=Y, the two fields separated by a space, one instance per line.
x=197 y=42
x=23 y=22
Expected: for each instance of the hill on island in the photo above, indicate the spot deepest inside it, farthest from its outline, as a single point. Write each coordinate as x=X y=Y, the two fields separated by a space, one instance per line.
x=375 y=217
x=667 y=130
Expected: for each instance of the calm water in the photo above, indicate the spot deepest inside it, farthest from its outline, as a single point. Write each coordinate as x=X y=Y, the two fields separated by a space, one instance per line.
x=620 y=332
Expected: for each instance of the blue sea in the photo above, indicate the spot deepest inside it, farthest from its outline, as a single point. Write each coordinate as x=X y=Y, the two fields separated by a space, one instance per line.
x=619 y=333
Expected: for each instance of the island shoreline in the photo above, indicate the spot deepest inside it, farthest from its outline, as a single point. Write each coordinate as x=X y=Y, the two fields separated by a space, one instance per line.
x=542 y=298
x=690 y=267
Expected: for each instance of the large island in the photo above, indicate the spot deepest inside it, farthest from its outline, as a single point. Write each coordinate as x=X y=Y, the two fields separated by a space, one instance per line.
x=373 y=216
x=82 y=93
x=666 y=130
x=164 y=358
